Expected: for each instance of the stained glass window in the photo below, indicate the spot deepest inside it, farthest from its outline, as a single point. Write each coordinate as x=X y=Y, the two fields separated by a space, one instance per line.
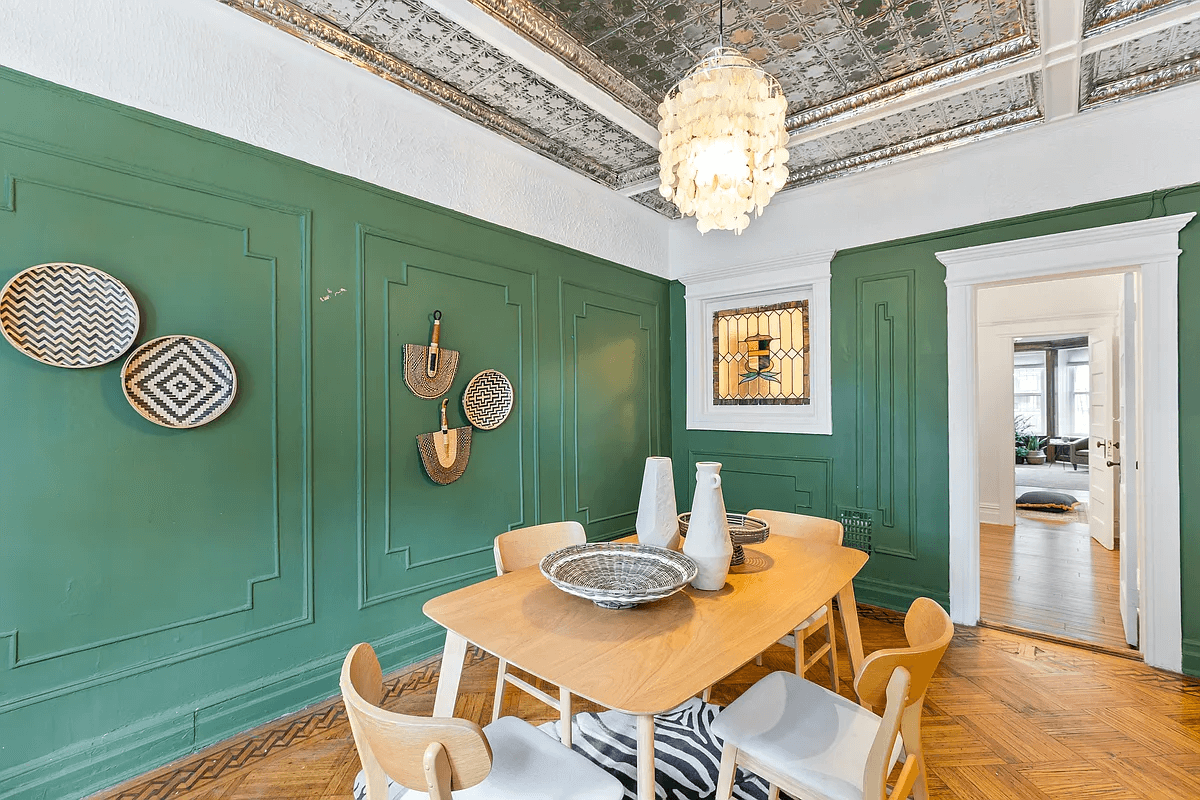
x=760 y=355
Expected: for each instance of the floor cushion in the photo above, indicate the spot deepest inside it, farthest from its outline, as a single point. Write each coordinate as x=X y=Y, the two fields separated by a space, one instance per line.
x=1047 y=501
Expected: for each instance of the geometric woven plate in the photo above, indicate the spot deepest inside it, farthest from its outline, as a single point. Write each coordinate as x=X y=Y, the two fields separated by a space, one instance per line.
x=179 y=381
x=68 y=315
x=488 y=399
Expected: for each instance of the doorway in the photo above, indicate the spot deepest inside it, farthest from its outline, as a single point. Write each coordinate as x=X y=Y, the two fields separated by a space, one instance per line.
x=1049 y=561
x=1148 y=249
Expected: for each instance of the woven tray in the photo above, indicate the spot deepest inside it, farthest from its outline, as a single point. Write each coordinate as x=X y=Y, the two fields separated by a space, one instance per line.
x=743 y=529
x=618 y=575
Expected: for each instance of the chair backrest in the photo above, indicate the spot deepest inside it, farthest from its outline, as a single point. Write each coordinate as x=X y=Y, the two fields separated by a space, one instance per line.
x=879 y=759
x=525 y=547
x=421 y=753
x=928 y=629
x=801 y=526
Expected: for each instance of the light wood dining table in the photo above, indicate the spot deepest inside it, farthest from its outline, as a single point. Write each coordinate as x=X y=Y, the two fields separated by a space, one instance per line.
x=649 y=659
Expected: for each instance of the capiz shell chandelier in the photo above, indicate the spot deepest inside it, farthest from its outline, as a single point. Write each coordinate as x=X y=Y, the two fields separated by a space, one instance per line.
x=723 y=147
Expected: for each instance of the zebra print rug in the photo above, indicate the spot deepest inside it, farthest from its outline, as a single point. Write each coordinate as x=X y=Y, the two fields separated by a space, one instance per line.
x=687 y=756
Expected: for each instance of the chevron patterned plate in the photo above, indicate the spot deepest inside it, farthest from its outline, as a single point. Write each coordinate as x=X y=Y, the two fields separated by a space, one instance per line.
x=488 y=399
x=179 y=381
x=68 y=315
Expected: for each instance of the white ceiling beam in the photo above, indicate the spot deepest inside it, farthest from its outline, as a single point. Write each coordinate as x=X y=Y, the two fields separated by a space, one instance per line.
x=516 y=46
x=638 y=188
x=1061 y=26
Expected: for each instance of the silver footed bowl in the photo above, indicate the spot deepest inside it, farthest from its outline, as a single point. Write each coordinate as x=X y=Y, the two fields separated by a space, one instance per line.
x=615 y=575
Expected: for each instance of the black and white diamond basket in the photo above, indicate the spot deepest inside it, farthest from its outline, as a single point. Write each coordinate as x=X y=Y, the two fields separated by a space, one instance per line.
x=618 y=575
x=179 y=381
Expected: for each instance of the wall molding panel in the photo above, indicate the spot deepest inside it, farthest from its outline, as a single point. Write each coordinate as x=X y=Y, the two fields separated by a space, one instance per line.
x=400 y=264
x=811 y=481
x=887 y=417
x=625 y=358
x=157 y=201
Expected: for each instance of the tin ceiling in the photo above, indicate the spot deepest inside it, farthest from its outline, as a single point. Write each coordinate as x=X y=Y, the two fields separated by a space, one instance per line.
x=869 y=82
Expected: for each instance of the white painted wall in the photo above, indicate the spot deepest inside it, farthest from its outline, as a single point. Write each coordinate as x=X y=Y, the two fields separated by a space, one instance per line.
x=1087 y=306
x=205 y=64
x=1137 y=146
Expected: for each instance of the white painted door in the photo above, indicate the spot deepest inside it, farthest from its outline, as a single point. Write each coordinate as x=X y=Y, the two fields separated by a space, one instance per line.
x=1127 y=457
x=1102 y=503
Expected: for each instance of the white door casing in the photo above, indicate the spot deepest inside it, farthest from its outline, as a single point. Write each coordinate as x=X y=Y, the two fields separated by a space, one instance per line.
x=1101 y=477
x=1131 y=543
x=1151 y=248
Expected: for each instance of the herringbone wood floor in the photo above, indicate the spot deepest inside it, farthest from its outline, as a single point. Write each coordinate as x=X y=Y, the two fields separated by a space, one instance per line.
x=1006 y=717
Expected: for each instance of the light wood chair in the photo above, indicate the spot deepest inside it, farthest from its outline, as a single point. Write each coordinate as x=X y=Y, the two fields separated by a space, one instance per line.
x=928 y=629
x=525 y=547
x=507 y=760
x=810 y=741
x=819 y=529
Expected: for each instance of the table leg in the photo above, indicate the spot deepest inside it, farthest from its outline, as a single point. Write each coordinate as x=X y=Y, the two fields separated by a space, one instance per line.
x=453 y=656
x=564 y=716
x=849 y=610
x=645 y=757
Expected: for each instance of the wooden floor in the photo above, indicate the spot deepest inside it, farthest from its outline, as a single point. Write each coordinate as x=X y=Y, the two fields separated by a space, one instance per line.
x=1005 y=717
x=1052 y=578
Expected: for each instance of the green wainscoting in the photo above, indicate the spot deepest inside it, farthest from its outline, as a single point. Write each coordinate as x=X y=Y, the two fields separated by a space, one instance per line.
x=161 y=590
x=886 y=459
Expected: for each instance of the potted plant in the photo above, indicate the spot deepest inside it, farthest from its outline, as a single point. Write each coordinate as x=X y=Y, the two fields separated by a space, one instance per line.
x=1033 y=450
x=1021 y=436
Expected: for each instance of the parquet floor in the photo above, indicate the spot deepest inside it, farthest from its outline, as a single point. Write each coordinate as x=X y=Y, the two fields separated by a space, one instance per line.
x=1053 y=578
x=1005 y=717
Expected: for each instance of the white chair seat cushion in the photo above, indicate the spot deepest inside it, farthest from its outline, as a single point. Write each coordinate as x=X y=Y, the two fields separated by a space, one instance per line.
x=790 y=639
x=527 y=765
x=818 y=738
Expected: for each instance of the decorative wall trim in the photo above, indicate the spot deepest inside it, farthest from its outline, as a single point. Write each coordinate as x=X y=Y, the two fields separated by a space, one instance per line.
x=892 y=595
x=568 y=364
x=1151 y=248
x=826 y=465
x=368 y=599
x=777 y=280
x=123 y=754
x=305 y=616
x=880 y=395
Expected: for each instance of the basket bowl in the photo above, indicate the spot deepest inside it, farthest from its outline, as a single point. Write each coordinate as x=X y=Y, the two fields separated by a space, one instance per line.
x=618 y=575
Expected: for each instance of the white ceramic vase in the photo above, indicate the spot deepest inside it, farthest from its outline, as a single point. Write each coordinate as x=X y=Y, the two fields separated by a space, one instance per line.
x=707 y=541
x=657 y=517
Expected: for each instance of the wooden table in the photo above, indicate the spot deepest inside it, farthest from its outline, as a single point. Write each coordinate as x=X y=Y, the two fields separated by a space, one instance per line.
x=650 y=659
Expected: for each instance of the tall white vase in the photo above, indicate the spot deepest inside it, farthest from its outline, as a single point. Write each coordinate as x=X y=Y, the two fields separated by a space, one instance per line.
x=657 y=517
x=708 y=542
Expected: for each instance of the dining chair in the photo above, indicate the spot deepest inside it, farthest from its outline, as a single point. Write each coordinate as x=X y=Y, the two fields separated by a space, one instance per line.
x=816 y=529
x=434 y=757
x=517 y=549
x=814 y=743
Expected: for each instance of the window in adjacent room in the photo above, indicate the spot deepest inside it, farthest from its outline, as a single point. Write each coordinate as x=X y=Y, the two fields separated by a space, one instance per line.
x=1029 y=390
x=1074 y=378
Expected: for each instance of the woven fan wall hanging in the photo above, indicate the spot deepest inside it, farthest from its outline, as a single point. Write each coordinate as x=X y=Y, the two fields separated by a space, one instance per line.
x=429 y=371
x=444 y=453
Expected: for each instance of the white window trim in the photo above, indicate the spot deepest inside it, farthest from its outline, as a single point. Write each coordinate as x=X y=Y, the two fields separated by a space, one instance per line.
x=1151 y=248
x=776 y=281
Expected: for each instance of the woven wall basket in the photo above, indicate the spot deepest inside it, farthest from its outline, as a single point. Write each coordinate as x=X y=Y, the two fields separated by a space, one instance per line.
x=68 y=315
x=179 y=381
x=488 y=400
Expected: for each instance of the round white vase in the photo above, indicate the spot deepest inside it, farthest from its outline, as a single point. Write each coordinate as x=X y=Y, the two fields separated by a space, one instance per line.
x=708 y=542
x=657 y=516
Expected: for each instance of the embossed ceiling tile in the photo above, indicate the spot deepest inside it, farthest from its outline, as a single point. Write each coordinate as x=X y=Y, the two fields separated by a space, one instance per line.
x=1161 y=49
x=1101 y=14
x=655 y=201
x=342 y=13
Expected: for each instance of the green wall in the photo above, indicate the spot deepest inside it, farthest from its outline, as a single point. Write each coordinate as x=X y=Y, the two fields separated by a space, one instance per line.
x=886 y=459
x=161 y=590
